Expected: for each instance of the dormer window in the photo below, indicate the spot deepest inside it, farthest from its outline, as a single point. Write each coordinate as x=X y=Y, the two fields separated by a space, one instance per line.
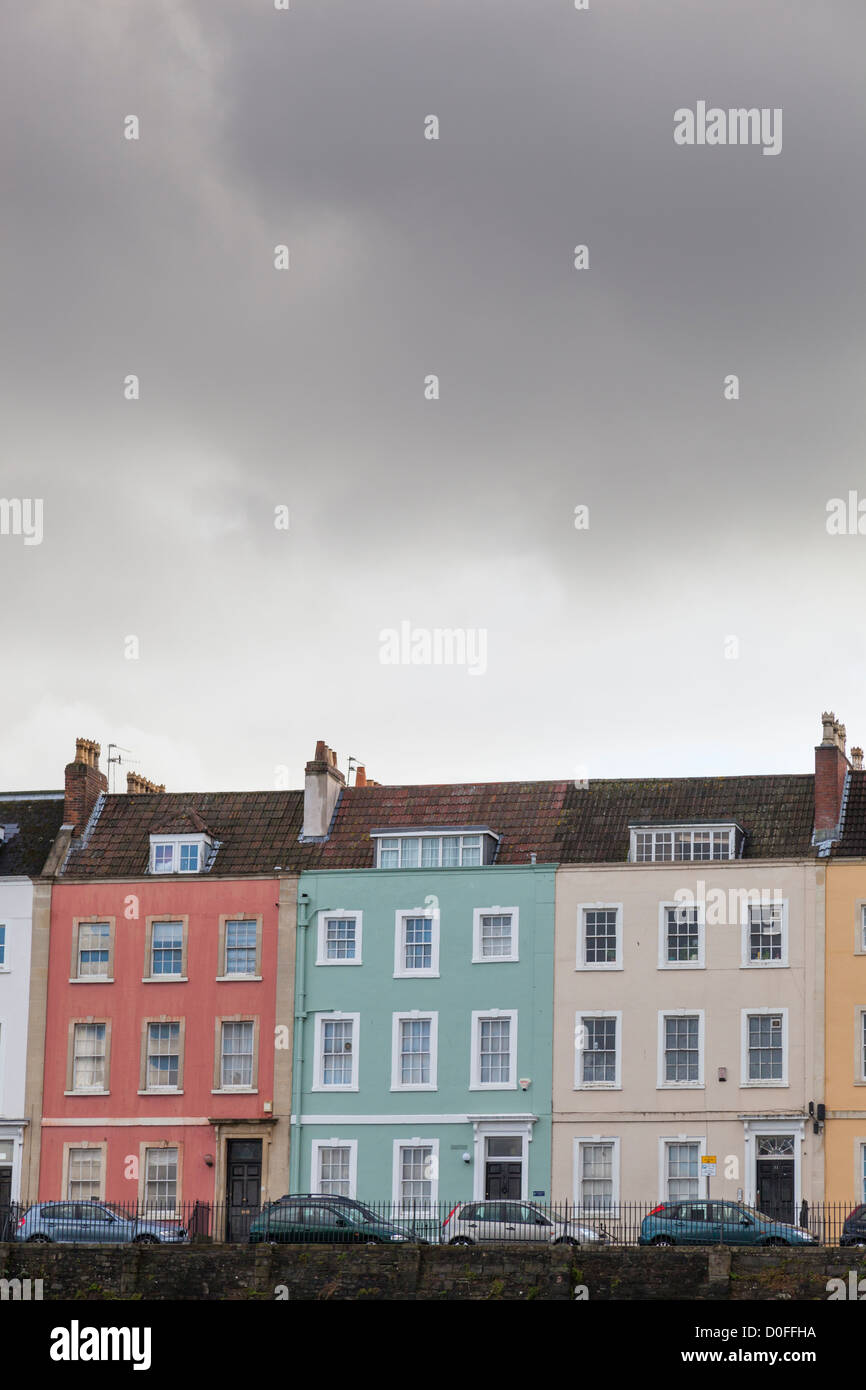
x=178 y=854
x=678 y=843
x=435 y=849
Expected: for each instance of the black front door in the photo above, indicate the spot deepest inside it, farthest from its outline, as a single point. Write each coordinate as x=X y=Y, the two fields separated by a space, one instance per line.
x=6 y=1214
x=502 y=1179
x=774 y=1192
x=244 y=1186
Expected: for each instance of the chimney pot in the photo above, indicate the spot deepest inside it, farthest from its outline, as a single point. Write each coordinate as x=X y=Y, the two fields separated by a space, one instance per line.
x=323 y=783
x=831 y=767
x=84 y=784
x=857 y=759
x=360 y=775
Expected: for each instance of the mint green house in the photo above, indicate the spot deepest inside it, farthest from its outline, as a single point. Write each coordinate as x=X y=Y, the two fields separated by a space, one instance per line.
x=424 y=996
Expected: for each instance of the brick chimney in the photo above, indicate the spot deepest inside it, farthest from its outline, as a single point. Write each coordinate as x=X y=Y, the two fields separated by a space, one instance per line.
x=322 y=785
x=84 y=784
x=136 y=785
x=831 y=766
x=857 y=759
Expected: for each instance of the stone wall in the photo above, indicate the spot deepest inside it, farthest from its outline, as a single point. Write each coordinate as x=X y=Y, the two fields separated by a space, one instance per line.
x=226 y=1272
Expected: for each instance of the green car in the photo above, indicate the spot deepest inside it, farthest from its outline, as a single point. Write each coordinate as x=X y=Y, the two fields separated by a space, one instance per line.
x=305 y=1220
x=717 y=1223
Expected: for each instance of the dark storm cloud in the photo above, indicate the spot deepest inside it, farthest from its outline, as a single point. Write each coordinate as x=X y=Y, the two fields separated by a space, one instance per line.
x=411 y=257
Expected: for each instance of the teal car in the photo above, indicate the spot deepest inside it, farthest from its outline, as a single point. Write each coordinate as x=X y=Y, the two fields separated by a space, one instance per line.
x=717 y=1223
x=306 y=1220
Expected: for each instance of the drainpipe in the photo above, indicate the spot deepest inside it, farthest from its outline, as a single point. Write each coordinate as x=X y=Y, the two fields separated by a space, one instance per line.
x=304 y=914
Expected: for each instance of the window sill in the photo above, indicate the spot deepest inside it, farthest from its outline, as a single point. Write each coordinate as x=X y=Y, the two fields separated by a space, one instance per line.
x=234 y=1091
x=603 y=965
x=681 y=1086
x=227 y=979
x=166 y=1091
x=599 y=1086
x=91 y=979
x=339 y=962
x=334 y=1090
x=763 y=1085
x=416 y=974
x=682 y=965
x=493 y=1086
x=87 y=1093
x=495 y=960
x=764 y=965
x=422 y=1086
x=164 y=979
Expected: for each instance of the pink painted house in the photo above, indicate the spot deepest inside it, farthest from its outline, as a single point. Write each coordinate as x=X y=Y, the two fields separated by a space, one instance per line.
x=167 y=1072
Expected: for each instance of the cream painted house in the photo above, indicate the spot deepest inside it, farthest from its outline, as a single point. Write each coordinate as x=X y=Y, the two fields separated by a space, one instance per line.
x=688 y=987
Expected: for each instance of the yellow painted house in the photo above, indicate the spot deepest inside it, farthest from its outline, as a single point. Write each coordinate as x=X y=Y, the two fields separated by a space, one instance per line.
x=843 y=833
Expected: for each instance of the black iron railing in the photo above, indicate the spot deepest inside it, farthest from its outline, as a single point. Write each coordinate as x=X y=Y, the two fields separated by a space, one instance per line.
x=329 y=1218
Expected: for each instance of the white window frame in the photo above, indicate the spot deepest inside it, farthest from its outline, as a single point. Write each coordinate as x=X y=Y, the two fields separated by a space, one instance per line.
x=322 y=957
x=580 y=1142
x=318 y=1067
x=316 y=1167
x=92 y=1149
x=762 y=1083
x=414 y=1016
x=414 y=1203
x=475 y=1082
x=477 y=914
x=579 y=1083
x=400 y=916
x=661 y=1083
x=664 y=1141
x=701 y=962
x=103 y=1088
x=745 y=962
x=174 y=842
x=582 y=963
x=436 y=834
x=688 y=828
x=152 y=1206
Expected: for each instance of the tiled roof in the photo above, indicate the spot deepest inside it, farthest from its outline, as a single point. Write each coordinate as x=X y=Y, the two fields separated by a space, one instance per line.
x=255 y=829
x=259 y=830
x=853 y=842
x=31 y=821
x=776 y=812
x=528 y=817
x=182 y=820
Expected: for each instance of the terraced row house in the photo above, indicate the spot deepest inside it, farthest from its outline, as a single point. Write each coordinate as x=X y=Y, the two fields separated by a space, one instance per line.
x=420 y=993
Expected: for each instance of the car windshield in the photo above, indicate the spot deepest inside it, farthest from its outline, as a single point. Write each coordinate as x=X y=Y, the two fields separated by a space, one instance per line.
x=756 y=1215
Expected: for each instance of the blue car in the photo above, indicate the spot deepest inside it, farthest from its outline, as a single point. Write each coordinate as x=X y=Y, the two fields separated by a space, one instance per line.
x=82 y=1223
x=717 y=1223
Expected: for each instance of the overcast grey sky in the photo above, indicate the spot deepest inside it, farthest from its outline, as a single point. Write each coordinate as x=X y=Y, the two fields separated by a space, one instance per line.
x=305 y=388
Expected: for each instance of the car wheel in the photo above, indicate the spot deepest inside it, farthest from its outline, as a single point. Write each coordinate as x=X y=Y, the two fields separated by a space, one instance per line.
x=566 y=1240
x=146 y=1240
x=461 y=1240
x=775 y=1240
x=39 y=1239
x=662 y=1240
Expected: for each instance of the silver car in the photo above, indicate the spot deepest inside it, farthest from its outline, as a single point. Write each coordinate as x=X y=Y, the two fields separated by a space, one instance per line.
x=476 y=1223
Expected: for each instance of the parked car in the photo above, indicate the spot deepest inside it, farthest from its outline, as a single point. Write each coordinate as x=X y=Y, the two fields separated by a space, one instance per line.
x=94 y=1223
x=854 y=1229
x=717 y=1223
x=474 y=1223
x=412 y=1229
x=297 y=1220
